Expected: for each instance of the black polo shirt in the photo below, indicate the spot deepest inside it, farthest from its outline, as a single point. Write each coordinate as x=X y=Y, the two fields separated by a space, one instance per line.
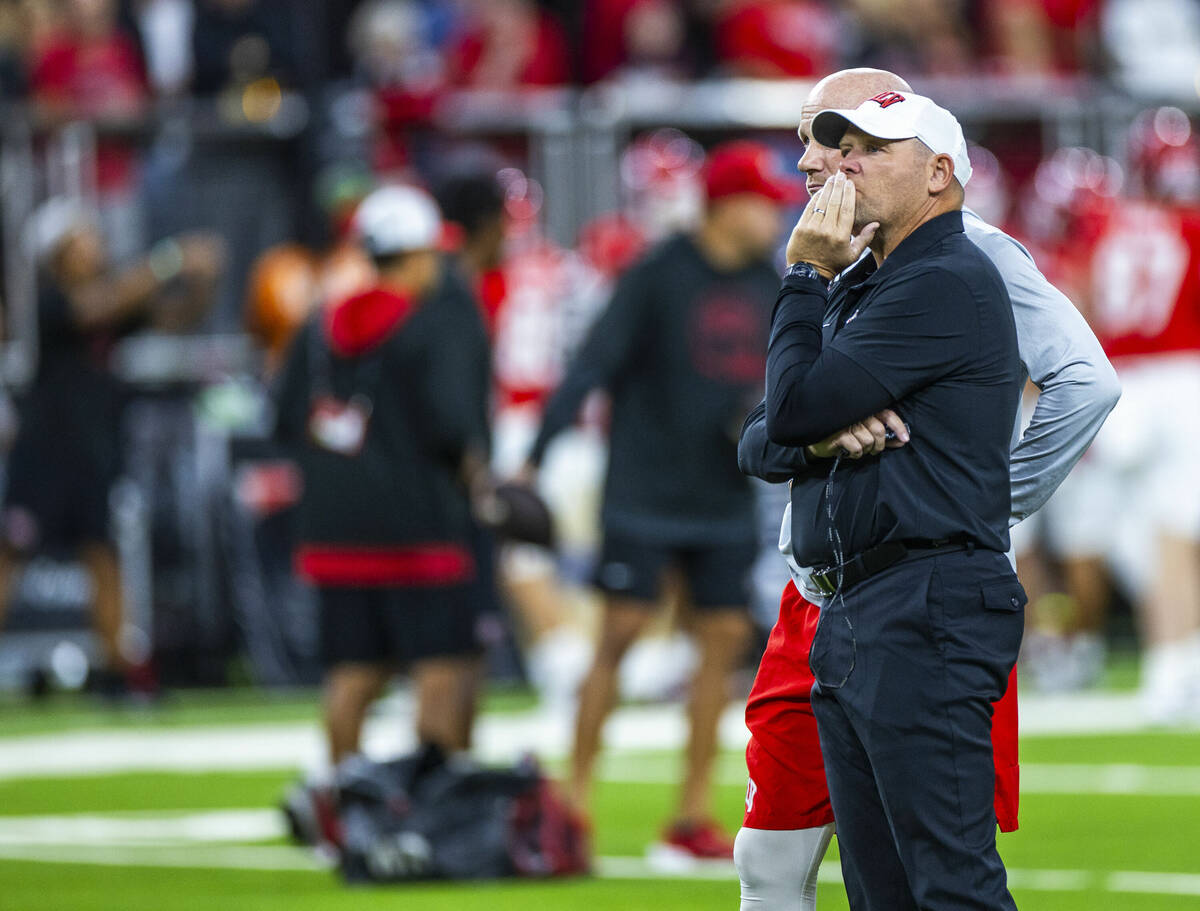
x=929 y=333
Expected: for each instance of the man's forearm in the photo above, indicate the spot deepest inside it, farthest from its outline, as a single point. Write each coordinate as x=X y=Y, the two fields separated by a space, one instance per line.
x=1069 y=412
x=811 y=393
x=1066 y=362
x=760 y=458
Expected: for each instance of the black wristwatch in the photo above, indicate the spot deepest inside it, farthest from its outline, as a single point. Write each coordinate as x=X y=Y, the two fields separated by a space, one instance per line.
x=805 y=270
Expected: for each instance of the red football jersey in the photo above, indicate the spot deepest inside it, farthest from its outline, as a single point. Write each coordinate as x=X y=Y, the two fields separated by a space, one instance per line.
x=527 y=344
x=1144 y=270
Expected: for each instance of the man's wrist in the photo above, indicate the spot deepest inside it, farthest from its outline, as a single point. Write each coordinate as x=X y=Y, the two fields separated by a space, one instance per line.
x=809 y=270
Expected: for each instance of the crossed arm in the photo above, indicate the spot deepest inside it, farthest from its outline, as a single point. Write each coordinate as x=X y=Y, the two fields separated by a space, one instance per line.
x=760 y=458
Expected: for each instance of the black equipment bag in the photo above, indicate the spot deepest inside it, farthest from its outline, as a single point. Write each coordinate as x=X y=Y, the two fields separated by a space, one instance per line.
x=426 y=816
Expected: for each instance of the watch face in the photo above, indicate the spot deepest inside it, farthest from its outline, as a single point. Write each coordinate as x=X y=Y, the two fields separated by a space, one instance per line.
x=804 y=270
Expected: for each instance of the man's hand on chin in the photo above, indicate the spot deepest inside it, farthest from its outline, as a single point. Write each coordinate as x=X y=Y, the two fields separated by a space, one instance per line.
x=824 y=234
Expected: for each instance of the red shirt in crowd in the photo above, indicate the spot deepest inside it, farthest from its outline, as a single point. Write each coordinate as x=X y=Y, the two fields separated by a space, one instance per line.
x=1053 y=34
x=98 y=79
x=528 y=51
x=778 y=38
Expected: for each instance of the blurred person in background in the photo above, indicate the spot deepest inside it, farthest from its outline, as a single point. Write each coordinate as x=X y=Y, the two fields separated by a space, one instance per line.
x=473 y=237
x=91 y=69
x=636 y=39
x=395 y=56
x=789 y=820
x=15 y=38
x=68 y=449
x=166 y=31
x=925 y=36
x=1063 y=551
x=679 y=349
x=1152 y=47
x=236 y=42
x=524 y=289
x=1040 y=37
x=377 y=403
x=778 y=39
x=662 y=184
x=1141 y=253
x=473 y=203
x=43 y=20
x=510 y=44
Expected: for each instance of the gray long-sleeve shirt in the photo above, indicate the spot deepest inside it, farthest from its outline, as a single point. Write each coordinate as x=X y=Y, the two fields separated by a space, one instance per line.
x=1078 y=388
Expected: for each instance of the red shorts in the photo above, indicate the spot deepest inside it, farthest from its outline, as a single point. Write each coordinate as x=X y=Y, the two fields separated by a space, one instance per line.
x=787 y=788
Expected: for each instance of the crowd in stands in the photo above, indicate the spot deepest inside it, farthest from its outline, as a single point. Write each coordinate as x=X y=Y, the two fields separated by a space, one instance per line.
x=107 y=57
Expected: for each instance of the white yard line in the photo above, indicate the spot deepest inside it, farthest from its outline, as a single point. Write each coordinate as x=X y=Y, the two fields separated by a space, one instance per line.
x=205 y=840
x=155 y=828
x=498 y=738
x=215 y=857
x=1114 y=778
x=1158 y=883
x=1081 y=714
x=1036 y=778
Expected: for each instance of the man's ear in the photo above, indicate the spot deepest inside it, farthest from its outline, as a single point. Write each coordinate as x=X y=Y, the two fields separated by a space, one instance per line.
x=941 y=173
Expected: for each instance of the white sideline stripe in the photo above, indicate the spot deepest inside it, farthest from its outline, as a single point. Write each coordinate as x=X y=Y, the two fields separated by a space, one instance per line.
x=1160 y=883
x=1113 y=778
x=237 y=857
x=195 y=753
x=149 y=829
x=498 y=738
x=1052 y=880
x=1036 y=778
x=641 y=868
x=284 y=857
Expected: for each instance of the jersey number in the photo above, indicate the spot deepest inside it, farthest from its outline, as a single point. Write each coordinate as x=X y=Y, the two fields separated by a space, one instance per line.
x=1137 y=272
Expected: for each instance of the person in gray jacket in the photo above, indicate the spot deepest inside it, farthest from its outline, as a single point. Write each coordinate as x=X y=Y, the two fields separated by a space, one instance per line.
x=789 y=822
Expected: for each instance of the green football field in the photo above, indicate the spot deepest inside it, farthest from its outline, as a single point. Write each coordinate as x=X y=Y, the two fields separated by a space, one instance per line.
x=150 y=810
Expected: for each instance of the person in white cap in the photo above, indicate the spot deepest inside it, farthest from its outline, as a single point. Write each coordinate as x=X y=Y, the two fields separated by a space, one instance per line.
x=921 y=613
x=377 y=402
x=789 y=821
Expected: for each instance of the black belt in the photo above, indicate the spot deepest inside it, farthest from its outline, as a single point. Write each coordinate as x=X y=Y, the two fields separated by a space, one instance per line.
x=878 y=558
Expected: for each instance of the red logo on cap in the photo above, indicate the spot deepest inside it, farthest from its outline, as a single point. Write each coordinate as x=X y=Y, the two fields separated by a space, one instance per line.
x=883 y=99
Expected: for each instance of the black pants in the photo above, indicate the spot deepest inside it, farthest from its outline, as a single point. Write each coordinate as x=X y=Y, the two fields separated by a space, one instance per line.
x=908 y=664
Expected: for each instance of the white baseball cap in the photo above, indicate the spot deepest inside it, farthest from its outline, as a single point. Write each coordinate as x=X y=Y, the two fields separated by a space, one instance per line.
x=398 y=219
x=899 y=115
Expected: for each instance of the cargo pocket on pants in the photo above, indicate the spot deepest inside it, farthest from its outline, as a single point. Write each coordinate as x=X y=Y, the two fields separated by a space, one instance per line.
x=1003 y=603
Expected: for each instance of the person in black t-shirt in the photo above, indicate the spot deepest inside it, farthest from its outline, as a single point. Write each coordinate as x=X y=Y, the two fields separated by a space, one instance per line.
x=66 y=455
x=679 y=350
